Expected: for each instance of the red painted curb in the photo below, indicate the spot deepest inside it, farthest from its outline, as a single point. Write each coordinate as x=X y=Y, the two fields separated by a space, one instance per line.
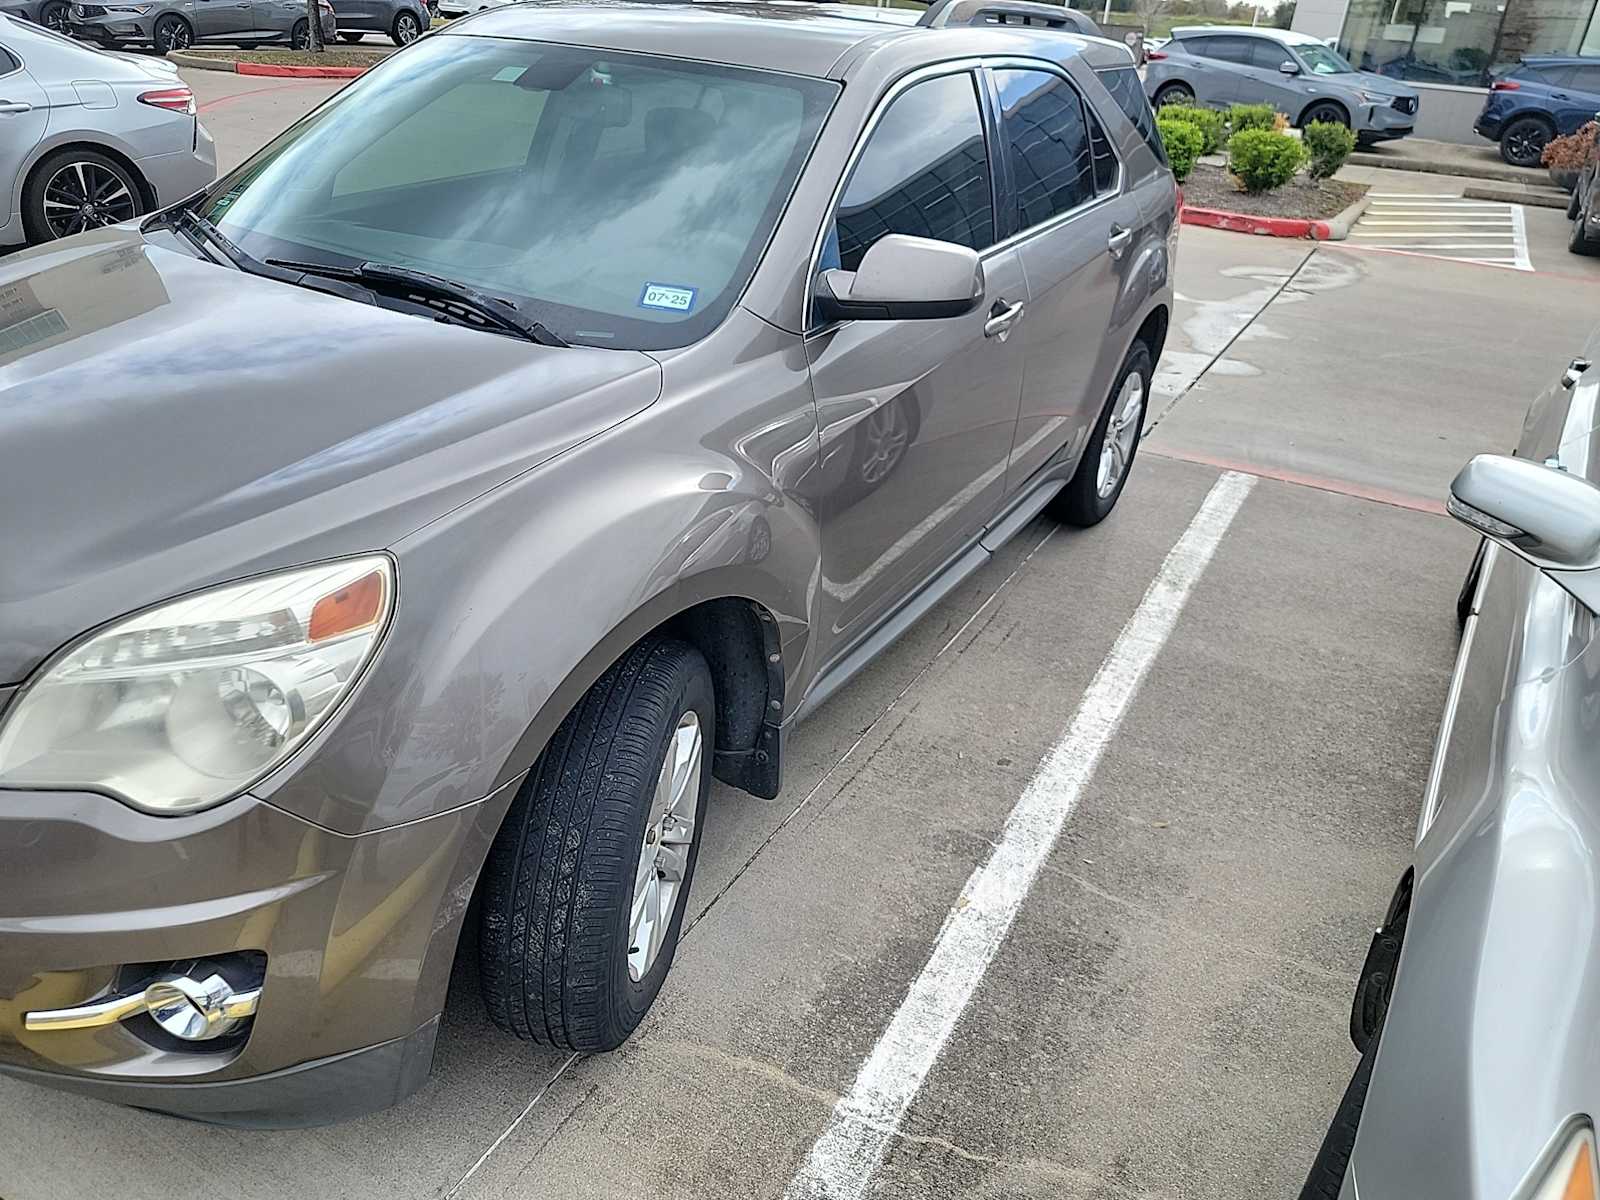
x=1285 y=227
x=249 y=68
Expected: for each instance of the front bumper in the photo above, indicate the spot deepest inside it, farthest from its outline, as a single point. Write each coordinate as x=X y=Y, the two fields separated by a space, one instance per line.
x=1384 y=122
x=358 y=932
x=118 y=29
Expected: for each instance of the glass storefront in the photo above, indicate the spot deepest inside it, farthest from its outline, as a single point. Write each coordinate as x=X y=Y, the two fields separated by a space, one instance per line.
x=1463 y=42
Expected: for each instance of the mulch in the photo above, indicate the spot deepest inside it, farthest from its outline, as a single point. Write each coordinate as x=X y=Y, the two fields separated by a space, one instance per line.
x=1213 y=187
x=343 y=56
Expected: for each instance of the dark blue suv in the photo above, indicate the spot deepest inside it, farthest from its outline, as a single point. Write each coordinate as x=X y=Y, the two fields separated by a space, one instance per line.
x=1546 y=95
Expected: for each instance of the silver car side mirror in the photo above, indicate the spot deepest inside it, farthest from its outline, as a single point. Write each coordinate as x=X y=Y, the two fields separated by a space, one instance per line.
x=1542 y=514
x=903 y=278
x=1289 y=68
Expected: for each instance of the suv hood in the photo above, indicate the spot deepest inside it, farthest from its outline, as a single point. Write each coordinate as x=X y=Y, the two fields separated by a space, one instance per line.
x=168 y=424
x=1381 y=85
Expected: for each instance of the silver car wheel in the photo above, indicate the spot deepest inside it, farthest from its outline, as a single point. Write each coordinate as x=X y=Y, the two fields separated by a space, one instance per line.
x=664 y=856
x=887 y=433
x=406 y=29
x=1122 y=434
x=85 y=195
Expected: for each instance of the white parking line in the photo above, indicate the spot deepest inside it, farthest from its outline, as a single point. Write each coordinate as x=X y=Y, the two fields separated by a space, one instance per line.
x=844 y=1157
x=1445 y=227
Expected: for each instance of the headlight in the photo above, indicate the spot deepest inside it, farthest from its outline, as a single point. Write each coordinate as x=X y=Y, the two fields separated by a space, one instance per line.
x=1372 y=98
x=1572 y=1175
x=187 y=704
x=141 y=9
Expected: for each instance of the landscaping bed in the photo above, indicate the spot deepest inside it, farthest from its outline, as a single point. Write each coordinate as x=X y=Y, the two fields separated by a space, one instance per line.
x=343 y=56
x=1313 y=199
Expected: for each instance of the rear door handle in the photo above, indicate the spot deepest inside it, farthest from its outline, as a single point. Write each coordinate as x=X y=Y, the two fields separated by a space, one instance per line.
x=12 y=107
x=1001 y=319
x=1119 y=240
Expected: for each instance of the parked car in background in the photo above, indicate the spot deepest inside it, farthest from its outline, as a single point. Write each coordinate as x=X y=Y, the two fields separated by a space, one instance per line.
x=603 y=508
x=1477 y=1007
x=1545 y=96
x=169 y=25
x=1584 y=208
x=90 y=138
x=52 y=14
x=1297 y=74
x=404 y=21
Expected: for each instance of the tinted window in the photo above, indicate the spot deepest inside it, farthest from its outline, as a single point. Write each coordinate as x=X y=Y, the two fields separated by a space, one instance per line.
x=576 y=183
x=1056 y=147
x=8 y=61
x=925 y=171
x=1125 y=88
x=1269 y=56
x=1200 y=46
x=1586 y=79
x=1229 y=49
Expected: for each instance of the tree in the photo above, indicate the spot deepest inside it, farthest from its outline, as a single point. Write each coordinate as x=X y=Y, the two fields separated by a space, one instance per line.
x=314 y=26
x=1283 y=15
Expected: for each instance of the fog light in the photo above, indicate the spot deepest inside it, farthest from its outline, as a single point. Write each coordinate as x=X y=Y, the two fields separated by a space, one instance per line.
x=194 y=1004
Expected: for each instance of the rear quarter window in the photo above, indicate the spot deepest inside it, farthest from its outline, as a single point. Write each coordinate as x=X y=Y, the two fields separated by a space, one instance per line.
x=1125 y=88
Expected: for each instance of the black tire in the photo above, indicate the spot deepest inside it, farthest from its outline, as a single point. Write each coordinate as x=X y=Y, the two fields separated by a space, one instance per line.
x=54 y=16
x=558 y=888
x=100 y=171
x=350 y=37
x=407 y=28
x=1524 y=140
x=1080 y=502
x=172 y=33
x=300 y=35
x=1574 y=204
x=1326 y=1176
x=1578 y=239
x=1325 y=110
x=1174 y=93
x=1469 y=585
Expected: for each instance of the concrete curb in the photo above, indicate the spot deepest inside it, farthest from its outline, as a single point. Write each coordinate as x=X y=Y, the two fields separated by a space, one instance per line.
x=205 y=62
x=1284 y=227
x=1472 y=170
x=1339 y=224
x=1539 y=197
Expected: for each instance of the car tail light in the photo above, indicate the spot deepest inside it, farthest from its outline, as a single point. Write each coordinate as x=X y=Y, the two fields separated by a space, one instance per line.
x=1155 y=55
x=178 y=99
x=1505 y=85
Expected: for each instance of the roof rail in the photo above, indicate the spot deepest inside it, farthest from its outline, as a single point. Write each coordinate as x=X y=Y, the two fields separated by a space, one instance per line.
x=942 y=13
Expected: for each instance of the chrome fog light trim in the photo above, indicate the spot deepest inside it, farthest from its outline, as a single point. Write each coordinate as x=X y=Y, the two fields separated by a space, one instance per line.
x=195 y=1010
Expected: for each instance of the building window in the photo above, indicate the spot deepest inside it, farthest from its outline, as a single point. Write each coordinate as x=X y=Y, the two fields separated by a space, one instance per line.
x=1463 y=42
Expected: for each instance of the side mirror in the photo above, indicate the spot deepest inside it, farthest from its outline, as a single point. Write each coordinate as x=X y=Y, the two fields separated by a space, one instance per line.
x=903 y=278
x=1289 y=68
x=1542 y=514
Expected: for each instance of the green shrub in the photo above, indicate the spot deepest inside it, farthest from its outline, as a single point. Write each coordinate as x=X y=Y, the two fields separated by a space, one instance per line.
x=1328 y=144
x=1184 y=143
x=1264 y=159
x=1252 y=116
x=1207 y=120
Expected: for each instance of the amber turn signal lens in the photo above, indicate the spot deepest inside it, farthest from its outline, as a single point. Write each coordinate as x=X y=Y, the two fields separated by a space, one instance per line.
x=354 y=606
x=1580 y=1184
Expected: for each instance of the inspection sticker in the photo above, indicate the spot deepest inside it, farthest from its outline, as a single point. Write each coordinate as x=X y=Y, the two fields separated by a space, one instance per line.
x=664 y=295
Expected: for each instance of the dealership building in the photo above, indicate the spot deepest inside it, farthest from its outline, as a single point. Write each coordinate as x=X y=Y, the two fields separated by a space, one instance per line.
x=1449 y=49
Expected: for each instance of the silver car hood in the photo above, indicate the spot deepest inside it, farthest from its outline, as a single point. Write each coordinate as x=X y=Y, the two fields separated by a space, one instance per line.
x=1380 y=85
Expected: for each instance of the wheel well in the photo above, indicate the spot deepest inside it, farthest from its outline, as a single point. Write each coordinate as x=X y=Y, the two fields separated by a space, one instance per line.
x=739 y=640
x=1316 y=104
x=1534 y=115
x=1153 y=333
x=146 y=192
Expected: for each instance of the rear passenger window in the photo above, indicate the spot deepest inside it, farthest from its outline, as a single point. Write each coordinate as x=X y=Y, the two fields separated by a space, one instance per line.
x=1229 y=49
x=1060 y=157
x=925 y=171
x=1125 y=88
x=1586 y=79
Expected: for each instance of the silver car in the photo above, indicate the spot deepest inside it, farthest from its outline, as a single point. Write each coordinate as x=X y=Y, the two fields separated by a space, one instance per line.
x=91 y=138
x=1298 y=75
x=1477 y=1009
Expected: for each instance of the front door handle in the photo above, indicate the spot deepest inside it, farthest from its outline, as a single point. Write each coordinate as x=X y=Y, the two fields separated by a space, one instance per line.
x=1119 y=241
x=13 y=107
x=1001 y=319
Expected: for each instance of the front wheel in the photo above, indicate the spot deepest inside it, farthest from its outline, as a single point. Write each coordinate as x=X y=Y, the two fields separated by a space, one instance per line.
x=1330 y=114
x=172 y=33
x=587 y=882
x=1523 y=142
x=1102 y=472
x=300 y=35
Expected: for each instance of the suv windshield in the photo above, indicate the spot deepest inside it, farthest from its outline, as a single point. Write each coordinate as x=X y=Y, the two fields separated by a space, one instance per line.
x=1319 y=60
x=620 y=199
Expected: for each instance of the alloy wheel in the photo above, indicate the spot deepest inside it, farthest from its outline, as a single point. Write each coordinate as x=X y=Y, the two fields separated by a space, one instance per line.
x=1122 y=435
x=173 y=35
x=86 y=195
x=300 y=36
x=1525 y=143
x=406 y=29
x=664 y=855
x=55 y=17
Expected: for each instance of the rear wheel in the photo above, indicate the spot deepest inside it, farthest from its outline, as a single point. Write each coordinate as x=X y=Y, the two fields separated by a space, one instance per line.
x=587 y=882
x=1102 y=473
x=1524 y=140
x=73 y=190
x=1326 y=111
x=173 y=33
x=300 y=35
x=1174 y=93
x=407 y=28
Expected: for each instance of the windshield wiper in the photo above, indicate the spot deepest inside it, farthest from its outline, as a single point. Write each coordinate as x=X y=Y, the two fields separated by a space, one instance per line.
x=459 y=300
